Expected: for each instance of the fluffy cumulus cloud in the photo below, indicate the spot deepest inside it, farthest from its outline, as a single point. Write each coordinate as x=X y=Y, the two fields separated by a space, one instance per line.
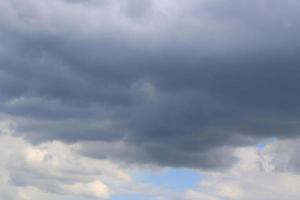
x=51 y=171
x=166 y=83
x=259 y=174
x=55 y=171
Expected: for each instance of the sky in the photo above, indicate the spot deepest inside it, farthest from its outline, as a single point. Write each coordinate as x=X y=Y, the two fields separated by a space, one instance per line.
x=149 y=99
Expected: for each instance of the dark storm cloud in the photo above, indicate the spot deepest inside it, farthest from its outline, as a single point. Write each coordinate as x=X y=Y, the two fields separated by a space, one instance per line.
x=175 y=81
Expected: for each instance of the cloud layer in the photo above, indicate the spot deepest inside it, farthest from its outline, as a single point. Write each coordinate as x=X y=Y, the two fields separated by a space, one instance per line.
x=172 y=83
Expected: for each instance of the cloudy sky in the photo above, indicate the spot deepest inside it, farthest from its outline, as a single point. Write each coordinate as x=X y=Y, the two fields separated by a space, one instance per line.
x=149 y=99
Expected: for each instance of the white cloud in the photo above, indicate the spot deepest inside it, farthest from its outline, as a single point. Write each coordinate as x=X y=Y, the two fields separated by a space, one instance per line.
x=94 y=189
x=54 y=167
x=54 y=170
x=255 y=176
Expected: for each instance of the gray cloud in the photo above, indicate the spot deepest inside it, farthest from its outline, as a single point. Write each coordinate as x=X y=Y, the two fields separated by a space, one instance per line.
x=285 y=155
x=177 y=81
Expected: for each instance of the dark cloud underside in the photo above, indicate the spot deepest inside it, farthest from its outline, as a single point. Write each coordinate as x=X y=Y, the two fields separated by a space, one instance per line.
x=177 y=82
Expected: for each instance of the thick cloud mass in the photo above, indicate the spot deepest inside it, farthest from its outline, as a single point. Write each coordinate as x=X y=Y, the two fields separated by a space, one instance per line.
x=176 y=83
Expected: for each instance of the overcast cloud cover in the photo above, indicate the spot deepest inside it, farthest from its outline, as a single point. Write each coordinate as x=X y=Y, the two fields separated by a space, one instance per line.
x=90 y=89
